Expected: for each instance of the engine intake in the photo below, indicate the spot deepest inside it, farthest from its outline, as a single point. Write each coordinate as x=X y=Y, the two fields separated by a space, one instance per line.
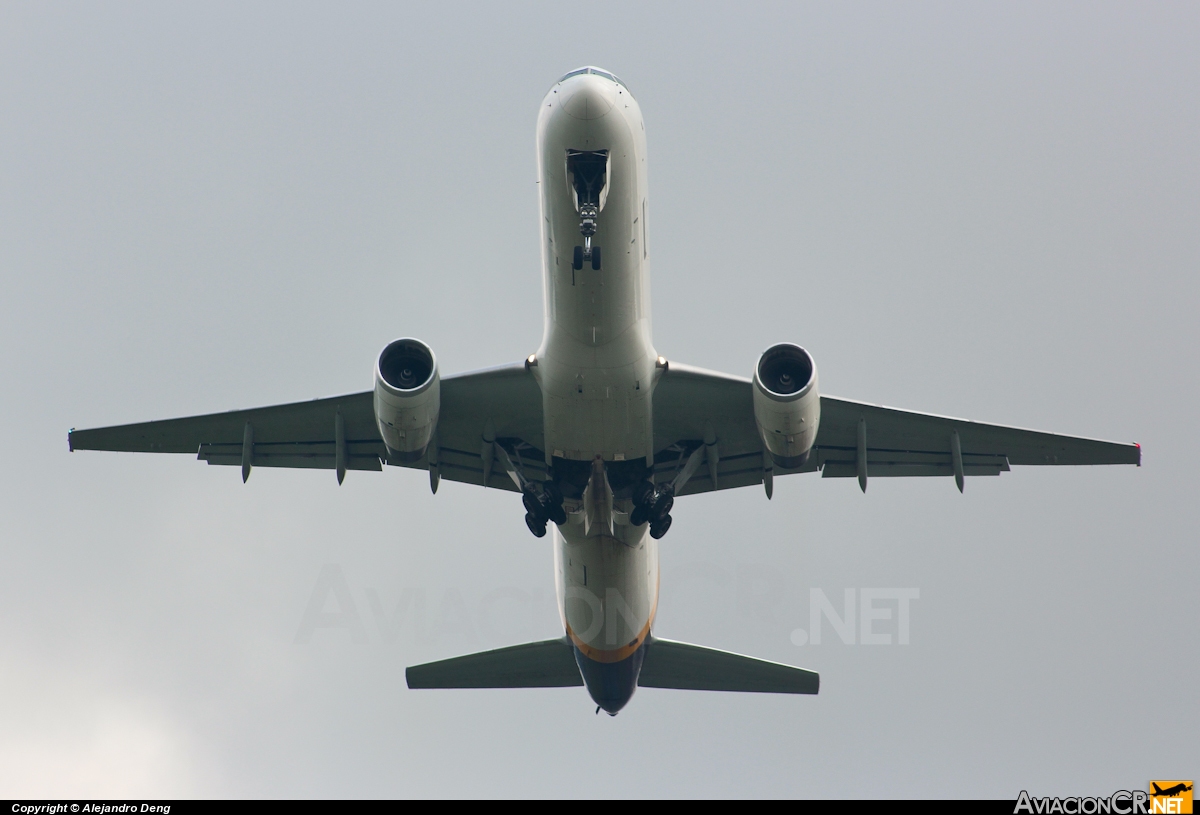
x=407 y=398
x=787 y=406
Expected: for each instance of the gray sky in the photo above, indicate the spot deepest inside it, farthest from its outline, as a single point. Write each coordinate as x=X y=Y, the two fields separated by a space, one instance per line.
x=988 y=211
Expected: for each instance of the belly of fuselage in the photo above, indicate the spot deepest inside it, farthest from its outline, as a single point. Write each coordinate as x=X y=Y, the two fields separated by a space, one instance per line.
x=596 y=366
x=596 y=362
x=608 y=596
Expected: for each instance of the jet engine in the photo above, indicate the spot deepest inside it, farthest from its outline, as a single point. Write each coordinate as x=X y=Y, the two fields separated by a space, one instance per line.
x=407 y=398
x=787 y=407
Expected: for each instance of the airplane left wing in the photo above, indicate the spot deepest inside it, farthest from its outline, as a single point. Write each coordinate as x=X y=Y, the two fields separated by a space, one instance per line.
x=306 y=434
x=694 y=407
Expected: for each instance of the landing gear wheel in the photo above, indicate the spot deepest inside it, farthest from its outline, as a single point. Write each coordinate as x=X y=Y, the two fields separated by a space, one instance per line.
x=663 y=505
x=643 y=494
x=577 y=261
x=556 y=513
x=595 y=258
x=660 y=527
x=536 y=525
x=545 y=504
x=639 y=516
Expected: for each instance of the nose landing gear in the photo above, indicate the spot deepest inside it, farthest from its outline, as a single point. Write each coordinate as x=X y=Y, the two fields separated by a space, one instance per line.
x=588 y=253
x=589 y=176
x=587 y=228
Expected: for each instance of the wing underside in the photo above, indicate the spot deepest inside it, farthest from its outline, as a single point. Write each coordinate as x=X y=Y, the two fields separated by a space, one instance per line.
x=546 y=664
x=304 y=434
x=682 y=666
x=667 y=664
x=690 y=405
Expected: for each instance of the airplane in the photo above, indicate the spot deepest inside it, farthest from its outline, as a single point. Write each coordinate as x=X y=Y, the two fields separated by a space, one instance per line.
x=1170 y=792
x=598 y=432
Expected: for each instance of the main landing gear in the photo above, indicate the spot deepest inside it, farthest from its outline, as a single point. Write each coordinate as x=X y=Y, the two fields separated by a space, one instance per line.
x=652 y=504
x=543 y=504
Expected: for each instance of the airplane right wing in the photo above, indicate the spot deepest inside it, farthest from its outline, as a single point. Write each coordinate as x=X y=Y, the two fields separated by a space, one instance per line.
x=692 y=406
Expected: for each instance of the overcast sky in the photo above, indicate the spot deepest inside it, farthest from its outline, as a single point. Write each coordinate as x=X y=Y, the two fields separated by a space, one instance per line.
x=989 y=211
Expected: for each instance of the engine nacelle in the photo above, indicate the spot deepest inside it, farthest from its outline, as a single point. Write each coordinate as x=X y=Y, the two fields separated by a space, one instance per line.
x=787 y=407
x=407 y=398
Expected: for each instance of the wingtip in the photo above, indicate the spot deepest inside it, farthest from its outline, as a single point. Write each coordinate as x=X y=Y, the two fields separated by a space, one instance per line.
x=70 y=442
x=1139 y=449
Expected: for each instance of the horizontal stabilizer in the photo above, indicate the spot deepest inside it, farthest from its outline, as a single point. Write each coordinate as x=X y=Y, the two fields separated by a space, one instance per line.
x=670 y=664
x=548 y=664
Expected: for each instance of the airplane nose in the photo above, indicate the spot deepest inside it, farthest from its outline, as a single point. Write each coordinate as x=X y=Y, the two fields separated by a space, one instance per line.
x=591 y=98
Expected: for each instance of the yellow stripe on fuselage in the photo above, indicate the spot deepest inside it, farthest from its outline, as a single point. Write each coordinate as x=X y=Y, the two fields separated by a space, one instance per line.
x=616 y=654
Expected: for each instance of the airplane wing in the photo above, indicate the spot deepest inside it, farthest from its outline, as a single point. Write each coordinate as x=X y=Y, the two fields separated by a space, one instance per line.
x=546 y=664
x=305 y=434
x=683 y=666
x=668 y=664
x=692 y=405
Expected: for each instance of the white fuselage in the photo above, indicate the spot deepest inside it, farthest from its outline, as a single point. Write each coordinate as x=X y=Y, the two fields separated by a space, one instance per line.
x=597 y=363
